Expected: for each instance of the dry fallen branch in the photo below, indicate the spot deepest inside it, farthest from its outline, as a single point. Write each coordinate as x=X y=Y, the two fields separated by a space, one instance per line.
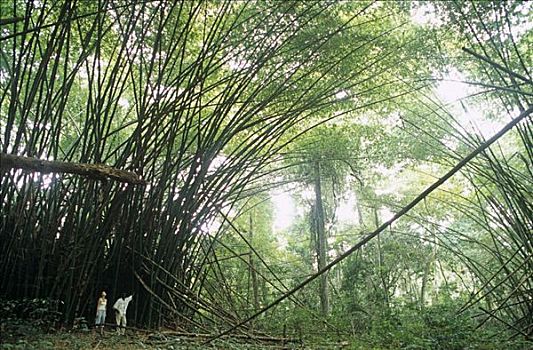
x=93 y=171
x=261 y=338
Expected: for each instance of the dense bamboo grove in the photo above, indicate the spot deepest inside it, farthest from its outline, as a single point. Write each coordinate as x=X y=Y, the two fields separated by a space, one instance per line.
x=195 y=76
x=200 y=99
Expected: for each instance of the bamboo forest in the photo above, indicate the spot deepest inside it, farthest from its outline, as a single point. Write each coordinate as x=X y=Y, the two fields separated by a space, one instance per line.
x=266 y=174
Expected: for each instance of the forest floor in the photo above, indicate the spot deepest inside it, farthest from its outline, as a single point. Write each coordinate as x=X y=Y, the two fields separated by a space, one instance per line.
x=148 y=340
x=18 y=334
x=29 y=334
x=133 y=340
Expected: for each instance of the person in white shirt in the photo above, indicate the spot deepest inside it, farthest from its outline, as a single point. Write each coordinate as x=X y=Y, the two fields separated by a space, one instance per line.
x=121 y=305
x=100 y=312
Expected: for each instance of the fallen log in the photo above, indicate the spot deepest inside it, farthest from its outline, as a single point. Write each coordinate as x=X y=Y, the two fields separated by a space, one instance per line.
x=93 y=171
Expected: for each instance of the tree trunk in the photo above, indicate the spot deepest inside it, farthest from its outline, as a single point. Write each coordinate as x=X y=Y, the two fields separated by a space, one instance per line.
x=255 y=289
x=429 y=263
x=359 y=211
x=382 y=277
x=321 y=241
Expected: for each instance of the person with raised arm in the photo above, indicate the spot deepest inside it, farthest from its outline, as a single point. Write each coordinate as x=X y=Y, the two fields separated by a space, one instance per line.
x=121 y=305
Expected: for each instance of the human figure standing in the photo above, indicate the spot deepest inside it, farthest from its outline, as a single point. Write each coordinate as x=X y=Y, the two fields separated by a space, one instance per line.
x=101 y=306
x=121 y=305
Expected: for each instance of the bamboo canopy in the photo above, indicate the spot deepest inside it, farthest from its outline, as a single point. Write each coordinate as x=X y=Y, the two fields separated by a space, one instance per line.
x=188 y=106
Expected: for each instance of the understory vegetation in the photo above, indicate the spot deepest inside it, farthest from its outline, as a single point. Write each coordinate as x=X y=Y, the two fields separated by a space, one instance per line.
x=267 y=174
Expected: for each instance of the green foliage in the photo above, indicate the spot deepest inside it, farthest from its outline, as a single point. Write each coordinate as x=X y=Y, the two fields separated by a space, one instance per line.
x=30 y=315
x=29 y=345
x=374 y=275
x=435 y=327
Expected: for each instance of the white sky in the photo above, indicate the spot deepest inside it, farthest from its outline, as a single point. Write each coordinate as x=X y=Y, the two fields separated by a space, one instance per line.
x=284 y=210
x=424 y=14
